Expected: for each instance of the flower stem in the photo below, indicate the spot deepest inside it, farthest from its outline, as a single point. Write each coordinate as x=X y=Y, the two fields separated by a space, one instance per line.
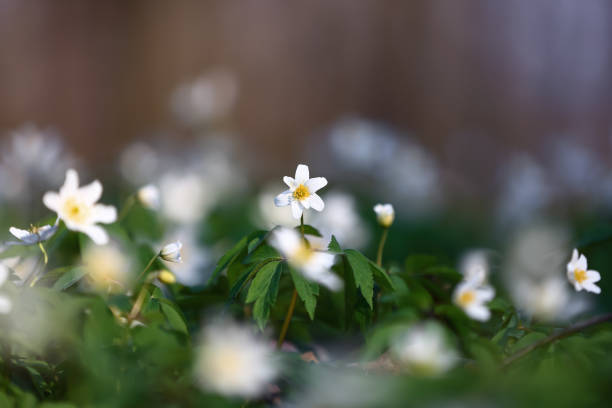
x=129 y=203
x=147 y=267
x=381 y=246
x=44 y=252
x=138 y=304
x=283 y=333
x=557 y=336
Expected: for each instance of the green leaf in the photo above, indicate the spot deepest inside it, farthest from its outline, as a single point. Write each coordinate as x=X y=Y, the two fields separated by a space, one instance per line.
x=309 y=230
x=243 y=246
x=173 y=315
x=334 y=246
x=261 y=282
x=418 y=263
x=364 y=279
x=261 y=253
x=261 y=309
x=381 y=277
x=306 y=290
x=527 y=340
x=69 y=278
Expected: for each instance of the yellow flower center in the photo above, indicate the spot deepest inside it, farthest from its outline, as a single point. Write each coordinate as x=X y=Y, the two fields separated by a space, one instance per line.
x=301 y=192
x=466 y=298
x=302 y=254
x=580 y=275
x=76 y=211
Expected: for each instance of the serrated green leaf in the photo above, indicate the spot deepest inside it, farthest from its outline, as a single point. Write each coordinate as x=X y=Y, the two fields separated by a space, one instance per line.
x=261 y=309
x=364 y=276
x=261 y=253
x=233 y=254
x=381 y=277
x=309 y=230
x=261 y=281
x=334 y=246
x=306 y=291
x=173 y=315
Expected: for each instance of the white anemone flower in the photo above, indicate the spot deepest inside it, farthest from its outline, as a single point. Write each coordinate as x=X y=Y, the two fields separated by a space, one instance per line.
x=172 y=252
x=471 y=297
x=108 y=267
x=423 y=350
x=385 y=214
x=313 y=264
x=77 y=207
x=32 y=236
x=5 y=303
x=149 y=197
x=548 y=300
x=474 y=266
x=302 y=193
x=579 y=275
x=232 y=361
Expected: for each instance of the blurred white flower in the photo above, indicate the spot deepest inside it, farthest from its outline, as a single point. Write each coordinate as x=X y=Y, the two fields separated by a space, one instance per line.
x=385 y=214
x=210 y=97
x=547 y=299
x=342 y=220
x=138 y=163
x=5 y=303
x=78 y=209
x=302 y=192
x=186 y=197
x=34 y=235
x=31 y=160
x=579 y=275
x=313 y=264
x=423 y=350
x=22 y=267
x=108 y=267
x=149 y=196
x=172 y=252
x=472 y=297
x=474 y=266
x=232 y=361
x=269 y=215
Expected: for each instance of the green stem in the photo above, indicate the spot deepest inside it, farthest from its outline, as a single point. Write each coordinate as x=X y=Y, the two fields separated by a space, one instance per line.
x=381 y=246
x=147 y=267
x=283 y=333
x=44 y=252
x=137 y=305
x=557 y=336
x=129 y=203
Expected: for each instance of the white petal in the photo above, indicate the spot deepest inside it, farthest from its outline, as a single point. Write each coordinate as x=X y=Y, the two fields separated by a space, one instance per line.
x=591 y=287
x=283 y=199
x=290 y=182
x=19 y=233
x=296 y=210
x=97 y=234
x=5 y=305
x=46 y=231
x=4 y=273
x=91 y=193
x=331 y=281
x=582 y=263
x=577 y=286
x=574 y=255
x=315 y=184
x=305 y=203
x=325 y=259
x=478 y=312
x=106 y=214
x=302 y=174
x=285 y=240
x=485 y=293
x=316 y=202
x=593 y=276
x=72 y=182
x=52 y=201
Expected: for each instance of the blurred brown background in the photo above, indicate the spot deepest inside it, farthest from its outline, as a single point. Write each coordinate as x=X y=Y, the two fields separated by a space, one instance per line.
x=472 y=79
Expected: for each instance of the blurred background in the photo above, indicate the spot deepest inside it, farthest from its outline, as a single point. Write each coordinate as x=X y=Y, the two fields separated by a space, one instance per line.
x=498 y=111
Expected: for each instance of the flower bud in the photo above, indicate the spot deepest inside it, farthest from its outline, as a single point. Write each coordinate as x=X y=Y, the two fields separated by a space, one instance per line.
x=149 y=196
x=167 y=277
x=172 y=252
x=384 y=214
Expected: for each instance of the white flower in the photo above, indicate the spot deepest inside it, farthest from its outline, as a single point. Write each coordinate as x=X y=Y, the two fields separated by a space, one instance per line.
x=423 y=350
x=172 y=252
x=385 y=214
x=471 y=297
x=34 y=235
x=5 y=303
x=474 y=266
x=108 y=267
x=548 y=299
x=579 y=275
x=302 y=192
x=233 y=362
x=313 y=264
x=78 y=209
x=186 y=196
x=149 y=196
x=195 y=258
x=340 y=219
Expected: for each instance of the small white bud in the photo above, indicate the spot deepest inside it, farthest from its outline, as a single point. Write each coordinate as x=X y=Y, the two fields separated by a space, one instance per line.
x=385 y=214
x=172 y=252
x=149 y=197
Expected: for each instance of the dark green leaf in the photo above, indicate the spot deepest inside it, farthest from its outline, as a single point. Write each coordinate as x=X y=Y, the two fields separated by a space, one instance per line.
x=309 y=230
x=364 y=279
x=261 y=282
x=306 y=290
x=69 y=278
x=334 y=246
